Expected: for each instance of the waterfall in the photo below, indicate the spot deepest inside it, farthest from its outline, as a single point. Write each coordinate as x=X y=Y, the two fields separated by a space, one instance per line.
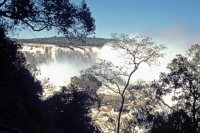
x=59 y=63
x=43 y=53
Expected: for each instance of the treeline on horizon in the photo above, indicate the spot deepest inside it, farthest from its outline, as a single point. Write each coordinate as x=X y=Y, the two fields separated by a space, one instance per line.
x=89 y=41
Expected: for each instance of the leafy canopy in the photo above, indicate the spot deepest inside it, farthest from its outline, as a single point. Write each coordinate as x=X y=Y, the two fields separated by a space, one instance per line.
x=183 y=83
x=67 y=18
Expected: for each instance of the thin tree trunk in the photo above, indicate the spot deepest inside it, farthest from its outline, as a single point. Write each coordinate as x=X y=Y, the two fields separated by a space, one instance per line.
x=193 y=116
x=120 y=112
x=123 y=98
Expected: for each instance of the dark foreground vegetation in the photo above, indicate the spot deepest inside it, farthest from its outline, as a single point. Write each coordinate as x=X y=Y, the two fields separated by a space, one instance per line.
x=21 y=107
x=22 y=110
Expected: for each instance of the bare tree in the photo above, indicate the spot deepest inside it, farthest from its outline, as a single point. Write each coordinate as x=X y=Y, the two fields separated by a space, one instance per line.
x=133 y=52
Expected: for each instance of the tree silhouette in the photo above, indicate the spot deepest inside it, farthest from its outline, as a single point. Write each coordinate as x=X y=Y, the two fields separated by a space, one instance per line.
x=177 y=122
x=73 y=21
x=90 y=85
x=69 y=110
x=183 y=83
x=19 y=97
x=133 y=51
x=22 y=110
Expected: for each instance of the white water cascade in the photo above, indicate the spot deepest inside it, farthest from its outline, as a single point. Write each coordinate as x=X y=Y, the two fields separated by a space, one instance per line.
x=59 y=63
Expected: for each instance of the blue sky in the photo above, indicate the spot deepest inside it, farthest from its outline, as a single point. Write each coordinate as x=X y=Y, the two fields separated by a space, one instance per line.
x=172 y=19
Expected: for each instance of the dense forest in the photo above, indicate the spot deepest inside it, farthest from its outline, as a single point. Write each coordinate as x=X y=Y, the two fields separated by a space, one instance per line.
x=98 y=42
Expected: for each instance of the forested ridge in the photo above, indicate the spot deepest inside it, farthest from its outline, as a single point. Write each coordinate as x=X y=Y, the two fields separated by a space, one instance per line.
x=89 y=41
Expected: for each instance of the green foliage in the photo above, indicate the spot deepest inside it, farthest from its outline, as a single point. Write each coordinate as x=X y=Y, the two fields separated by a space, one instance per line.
x=73 y=21
x=90 y=85
x=111 y=120
x=134 y=113
x=62 y=41
x=68 y=110
x=106 y=115
x=183 y=82
x=19 y=100
x=21 y=109
x=177 y=122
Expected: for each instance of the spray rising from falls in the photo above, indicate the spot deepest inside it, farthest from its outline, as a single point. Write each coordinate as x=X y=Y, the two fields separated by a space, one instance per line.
x=59 y=63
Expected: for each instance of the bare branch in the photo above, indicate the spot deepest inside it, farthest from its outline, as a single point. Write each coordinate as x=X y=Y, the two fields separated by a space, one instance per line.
x=166 y=105
x=134 y=52
x=1 y=4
